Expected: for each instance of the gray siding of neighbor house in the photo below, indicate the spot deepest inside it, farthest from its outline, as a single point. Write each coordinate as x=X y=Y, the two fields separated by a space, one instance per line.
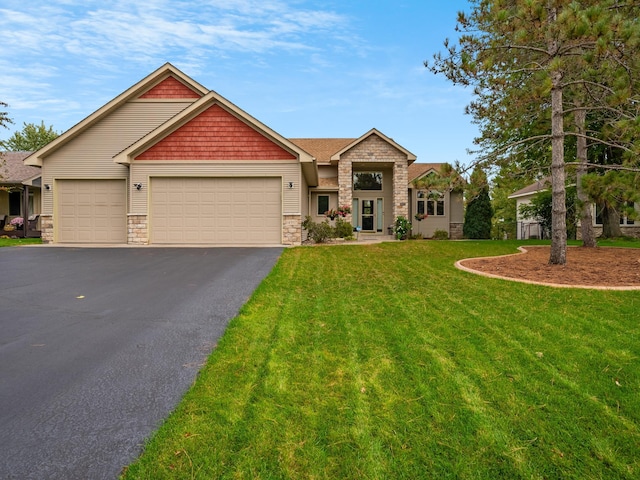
x=90 y=154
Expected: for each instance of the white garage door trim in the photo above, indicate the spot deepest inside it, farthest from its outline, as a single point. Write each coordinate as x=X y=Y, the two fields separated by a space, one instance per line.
x=215 y=210
x=91 y=211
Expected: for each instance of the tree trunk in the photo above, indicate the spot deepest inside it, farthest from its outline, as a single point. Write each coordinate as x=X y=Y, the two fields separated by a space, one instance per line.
x=610 y=222
x=586 y=219
x=558 y=254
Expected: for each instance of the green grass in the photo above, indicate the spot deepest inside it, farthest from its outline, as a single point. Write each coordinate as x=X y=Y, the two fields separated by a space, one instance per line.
x=12 y=242
x=384 y=361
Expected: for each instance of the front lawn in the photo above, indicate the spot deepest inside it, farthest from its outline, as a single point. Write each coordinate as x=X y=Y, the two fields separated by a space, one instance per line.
x=12 y=242
x=384 y=361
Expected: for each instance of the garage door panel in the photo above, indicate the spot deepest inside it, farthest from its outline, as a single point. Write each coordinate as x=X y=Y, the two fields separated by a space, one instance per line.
x=91 y=211
x=243 y=211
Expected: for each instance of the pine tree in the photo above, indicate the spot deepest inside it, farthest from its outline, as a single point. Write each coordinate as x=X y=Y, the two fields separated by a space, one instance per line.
x=533 y=63
x=479 y=212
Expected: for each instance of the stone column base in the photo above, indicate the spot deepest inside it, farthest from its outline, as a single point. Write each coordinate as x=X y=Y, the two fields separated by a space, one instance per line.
x=46 y=228
x=291 y=230
x=137 y=230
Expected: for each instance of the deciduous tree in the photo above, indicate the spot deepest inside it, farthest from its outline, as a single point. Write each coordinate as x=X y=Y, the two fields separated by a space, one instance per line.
x=32 y=137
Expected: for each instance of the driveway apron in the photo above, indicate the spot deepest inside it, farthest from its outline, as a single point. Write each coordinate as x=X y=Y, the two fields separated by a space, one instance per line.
x=98 y=345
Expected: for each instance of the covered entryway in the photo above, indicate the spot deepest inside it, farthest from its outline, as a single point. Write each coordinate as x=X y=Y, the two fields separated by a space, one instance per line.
x=216 y=211
x=91 y=211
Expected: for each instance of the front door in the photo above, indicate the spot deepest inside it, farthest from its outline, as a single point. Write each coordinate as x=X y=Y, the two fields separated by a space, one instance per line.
x=368 y=217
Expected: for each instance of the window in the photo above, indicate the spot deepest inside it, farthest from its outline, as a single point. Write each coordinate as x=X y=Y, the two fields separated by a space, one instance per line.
x=323 y=204
x=433 y=207
x=367 y=181
x=15 y=199
x=624 y=220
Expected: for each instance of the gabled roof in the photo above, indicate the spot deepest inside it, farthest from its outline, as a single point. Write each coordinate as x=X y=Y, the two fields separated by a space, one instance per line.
x=417 y=170
x=13 y=170
x=538 y=186
x=212 y=98
x=136 y=90
x=322 y=148
x=410 y=156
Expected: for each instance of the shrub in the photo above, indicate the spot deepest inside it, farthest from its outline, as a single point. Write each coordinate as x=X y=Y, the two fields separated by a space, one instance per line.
x=343 y=229
x=321 y=232
x=402 y=228
x=318 y=232
x=440 y=235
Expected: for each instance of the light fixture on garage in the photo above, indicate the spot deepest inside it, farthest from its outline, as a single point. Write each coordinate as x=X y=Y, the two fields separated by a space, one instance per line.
x=138 y=186
x=290 y=184
x=47 y=186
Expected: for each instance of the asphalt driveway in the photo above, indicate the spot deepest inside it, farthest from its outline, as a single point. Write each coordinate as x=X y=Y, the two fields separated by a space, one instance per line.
x=98 y=345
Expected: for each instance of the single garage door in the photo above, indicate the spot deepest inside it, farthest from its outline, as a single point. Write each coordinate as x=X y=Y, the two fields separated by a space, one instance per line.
x=216 y=211
x=91 y=211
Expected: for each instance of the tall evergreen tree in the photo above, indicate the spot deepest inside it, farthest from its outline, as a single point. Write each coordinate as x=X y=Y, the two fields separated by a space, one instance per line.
x=528 y=60
x=479 y=212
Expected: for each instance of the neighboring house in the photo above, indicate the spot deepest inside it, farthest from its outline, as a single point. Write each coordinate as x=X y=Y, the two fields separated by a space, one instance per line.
x=527 y=227
x=171 y=162
x=19 y=192
x=530 y=228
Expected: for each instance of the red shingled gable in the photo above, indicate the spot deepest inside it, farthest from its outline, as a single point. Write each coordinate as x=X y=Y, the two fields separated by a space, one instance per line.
x=215 y=134
x=170 y=87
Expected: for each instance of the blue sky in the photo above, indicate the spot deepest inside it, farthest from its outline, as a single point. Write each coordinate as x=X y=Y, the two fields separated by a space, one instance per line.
x=306 y=68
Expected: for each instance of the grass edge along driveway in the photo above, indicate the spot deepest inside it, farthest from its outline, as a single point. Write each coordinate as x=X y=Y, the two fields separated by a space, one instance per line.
x=384 y=361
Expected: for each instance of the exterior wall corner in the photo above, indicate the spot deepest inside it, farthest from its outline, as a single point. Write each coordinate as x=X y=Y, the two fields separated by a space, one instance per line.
x=292 y=230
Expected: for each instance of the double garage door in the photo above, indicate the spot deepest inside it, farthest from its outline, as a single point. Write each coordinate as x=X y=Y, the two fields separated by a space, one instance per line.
x=215 y=211
x=207 y=211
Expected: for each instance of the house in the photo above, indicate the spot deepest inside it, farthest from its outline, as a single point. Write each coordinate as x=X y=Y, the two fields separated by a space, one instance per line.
x=530 y=227
x=170 y=162
x=19 y=193
x=527 y=227
x=439 y=210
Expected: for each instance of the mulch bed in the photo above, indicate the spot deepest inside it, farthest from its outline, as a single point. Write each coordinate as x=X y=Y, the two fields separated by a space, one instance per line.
x=597 y=267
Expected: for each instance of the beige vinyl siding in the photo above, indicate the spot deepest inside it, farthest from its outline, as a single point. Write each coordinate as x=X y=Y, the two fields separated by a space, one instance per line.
x=304 y=197
x=429 y=225
x=457 y=207
x=90 y=154
x=142 y=172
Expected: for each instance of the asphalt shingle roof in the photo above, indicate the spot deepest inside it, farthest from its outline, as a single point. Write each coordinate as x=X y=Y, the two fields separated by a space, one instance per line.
x=13 y=170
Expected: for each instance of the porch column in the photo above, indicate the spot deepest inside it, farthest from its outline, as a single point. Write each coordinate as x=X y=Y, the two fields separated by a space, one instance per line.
x=345 y=185
x=400 y=190
x=25 y=211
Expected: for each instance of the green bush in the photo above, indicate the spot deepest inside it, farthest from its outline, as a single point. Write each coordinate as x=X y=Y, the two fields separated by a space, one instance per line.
x=318 y=232
x=321 y=232
x=402 y=228
x=440 y=235
x=343 y=229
